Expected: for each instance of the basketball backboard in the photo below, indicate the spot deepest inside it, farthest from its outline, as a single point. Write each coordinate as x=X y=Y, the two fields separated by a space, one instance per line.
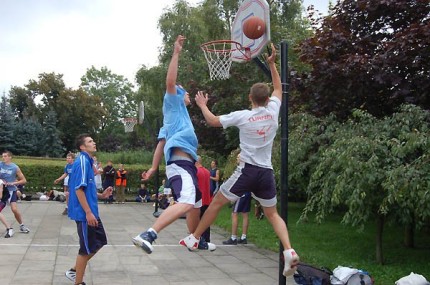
x=248 y=8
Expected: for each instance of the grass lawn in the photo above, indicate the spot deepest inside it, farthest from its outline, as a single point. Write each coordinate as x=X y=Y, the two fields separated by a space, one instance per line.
x=331 y=244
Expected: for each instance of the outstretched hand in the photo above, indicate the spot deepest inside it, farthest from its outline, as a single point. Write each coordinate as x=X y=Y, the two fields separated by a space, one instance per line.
x=147 y=174
x=201 y=99
x=179 y=43
x=271 y=58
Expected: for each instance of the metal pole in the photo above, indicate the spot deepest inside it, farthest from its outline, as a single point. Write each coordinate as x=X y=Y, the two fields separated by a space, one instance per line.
x=157 y=177
x=284 y=151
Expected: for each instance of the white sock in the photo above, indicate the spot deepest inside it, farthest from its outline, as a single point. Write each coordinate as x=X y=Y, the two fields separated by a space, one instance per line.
x=234 y=237
x=243 y=237
x=152 y=230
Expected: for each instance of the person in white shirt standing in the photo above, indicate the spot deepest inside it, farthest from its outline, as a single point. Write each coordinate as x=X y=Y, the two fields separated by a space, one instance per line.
x=257 y=130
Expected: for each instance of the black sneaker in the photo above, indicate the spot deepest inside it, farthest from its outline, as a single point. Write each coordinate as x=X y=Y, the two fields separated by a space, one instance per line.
x=203 y=244
x=145 y=240
x=242 y=241
x=230 y=241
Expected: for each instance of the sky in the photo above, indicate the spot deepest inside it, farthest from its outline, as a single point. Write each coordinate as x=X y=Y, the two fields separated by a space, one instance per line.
x=69 y=36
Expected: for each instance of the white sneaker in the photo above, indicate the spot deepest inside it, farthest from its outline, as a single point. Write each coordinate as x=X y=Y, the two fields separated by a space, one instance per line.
x=71 y=274
x=24 y=229
x=9 y=233
x=190 y=242
x=290 y=262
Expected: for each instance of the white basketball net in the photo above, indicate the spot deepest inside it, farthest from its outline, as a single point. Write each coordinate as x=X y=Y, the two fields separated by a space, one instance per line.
x=218 y=55
x=129 y=124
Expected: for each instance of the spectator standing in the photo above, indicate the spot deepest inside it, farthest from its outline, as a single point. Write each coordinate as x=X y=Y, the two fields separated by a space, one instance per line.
x=203 y=179
x=98 y=170
x=121 y=183
x=243 y=206
x=214 y=177
x=109 y=179
x=70 y=157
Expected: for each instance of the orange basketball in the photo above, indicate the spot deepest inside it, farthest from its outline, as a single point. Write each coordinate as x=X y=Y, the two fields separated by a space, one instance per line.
x=254 y=27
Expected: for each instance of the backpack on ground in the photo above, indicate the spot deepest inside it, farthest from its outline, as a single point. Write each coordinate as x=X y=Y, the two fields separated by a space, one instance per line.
x=310 y=275
x=350 y=276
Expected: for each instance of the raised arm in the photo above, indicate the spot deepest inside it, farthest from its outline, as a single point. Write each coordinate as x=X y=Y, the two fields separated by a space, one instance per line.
x=276 y=79
x=202 y=101
x=172 y=72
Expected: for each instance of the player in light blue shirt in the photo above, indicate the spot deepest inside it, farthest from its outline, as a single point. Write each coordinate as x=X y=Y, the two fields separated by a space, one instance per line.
x=179 y=142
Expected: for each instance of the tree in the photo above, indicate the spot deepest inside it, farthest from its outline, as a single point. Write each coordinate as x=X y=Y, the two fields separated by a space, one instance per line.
x=115 y=92
x=369 y=169
x=7 y=125
x=29 y=137
x=80 y=113
x=373 y=55
x=53 y=146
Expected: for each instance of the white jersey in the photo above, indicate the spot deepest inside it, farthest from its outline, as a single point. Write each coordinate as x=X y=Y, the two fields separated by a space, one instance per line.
x=257 y=129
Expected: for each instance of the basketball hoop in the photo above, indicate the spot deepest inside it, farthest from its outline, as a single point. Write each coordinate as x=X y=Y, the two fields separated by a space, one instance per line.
x=218 y=55
x=129 y=124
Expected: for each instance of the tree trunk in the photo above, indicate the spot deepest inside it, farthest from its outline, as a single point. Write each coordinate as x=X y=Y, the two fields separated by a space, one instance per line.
x=409 y=234
x=379 y=230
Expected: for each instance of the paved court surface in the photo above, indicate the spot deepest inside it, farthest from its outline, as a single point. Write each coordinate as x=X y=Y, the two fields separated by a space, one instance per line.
x=43 y=255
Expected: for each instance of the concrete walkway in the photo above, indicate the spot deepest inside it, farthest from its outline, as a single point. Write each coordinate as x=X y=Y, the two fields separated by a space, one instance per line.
x=43 y=255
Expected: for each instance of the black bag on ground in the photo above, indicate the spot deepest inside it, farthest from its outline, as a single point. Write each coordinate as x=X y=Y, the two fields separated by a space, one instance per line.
x=309 y=275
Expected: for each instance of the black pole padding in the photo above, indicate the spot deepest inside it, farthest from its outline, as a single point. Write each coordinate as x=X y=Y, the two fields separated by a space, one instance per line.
x=284 y=151
x=157 y=177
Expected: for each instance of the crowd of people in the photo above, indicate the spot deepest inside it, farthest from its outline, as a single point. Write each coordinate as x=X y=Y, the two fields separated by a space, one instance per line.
x=192 y=190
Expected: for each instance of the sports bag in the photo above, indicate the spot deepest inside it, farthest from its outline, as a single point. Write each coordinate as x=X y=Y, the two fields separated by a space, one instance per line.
x=310 y=275
x=350 y=276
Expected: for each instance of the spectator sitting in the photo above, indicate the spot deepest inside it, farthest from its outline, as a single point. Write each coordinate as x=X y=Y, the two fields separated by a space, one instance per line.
x=143 y=195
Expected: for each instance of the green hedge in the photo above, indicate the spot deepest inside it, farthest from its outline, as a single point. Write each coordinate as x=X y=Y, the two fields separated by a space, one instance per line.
x=41 y=173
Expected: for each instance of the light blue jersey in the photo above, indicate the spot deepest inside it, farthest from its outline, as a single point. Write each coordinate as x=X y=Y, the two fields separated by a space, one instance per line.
x=177 y=126
x=8 y=174
x=82 y=176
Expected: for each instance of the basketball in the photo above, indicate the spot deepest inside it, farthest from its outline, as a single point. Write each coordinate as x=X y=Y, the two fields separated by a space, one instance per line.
x=254 y=27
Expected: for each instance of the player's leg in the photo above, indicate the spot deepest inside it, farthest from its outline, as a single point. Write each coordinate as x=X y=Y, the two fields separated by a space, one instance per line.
x=266 y=195
x=234 y=223
x=9 y=231
x=182 y=176
x=245 y=225
x=14 y=207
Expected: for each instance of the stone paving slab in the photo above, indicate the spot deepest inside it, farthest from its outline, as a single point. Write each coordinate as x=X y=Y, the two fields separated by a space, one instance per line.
x=43 y=255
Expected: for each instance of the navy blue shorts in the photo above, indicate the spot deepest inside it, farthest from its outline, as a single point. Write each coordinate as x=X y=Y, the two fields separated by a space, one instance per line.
x=250 y=178
x=91 y=239
x=243 y=205
x=13 y=196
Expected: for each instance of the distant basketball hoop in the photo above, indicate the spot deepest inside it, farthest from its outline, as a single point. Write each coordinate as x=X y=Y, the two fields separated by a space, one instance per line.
x=129 y=124
x=218 y=56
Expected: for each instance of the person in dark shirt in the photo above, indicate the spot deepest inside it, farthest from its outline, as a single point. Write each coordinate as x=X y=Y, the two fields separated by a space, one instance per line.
x=143 y=194
x=109 y=179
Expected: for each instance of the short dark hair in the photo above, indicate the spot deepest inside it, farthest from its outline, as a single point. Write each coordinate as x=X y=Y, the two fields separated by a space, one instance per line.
x=260 y=92
x=80 y=140
x=8 y=152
